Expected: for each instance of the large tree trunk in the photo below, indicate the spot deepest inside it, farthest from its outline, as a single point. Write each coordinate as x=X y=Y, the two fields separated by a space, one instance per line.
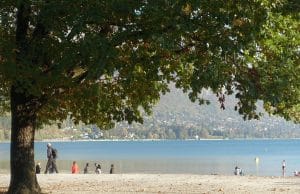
x=23 y=112
x=22 y=164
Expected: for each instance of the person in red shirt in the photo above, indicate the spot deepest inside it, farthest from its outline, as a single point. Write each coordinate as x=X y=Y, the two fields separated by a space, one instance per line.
x=75 y=168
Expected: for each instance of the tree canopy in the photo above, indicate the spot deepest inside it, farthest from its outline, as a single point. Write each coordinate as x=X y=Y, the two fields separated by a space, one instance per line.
x=103 y=62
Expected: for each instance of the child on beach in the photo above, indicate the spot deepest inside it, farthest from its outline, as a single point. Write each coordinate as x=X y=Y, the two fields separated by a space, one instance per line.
x=38 y=168
x=98 y=168
x=86 y=169
x=75 y=168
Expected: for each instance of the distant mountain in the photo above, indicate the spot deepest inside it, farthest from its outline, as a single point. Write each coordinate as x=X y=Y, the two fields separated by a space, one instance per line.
x=176 y=117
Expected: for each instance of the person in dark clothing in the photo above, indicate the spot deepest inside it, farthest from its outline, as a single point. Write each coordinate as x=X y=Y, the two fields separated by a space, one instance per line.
x=51 y=163
x=38 y=168
x=112 y=169
x=86 y=169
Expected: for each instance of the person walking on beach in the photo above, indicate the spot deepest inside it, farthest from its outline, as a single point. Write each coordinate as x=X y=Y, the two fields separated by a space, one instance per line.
x=283 y=168
x=51 y=163
x=86 y=169
x=75 y=168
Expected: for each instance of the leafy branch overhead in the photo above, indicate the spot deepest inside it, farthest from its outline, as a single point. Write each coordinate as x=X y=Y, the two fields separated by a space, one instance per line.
x=105 y=61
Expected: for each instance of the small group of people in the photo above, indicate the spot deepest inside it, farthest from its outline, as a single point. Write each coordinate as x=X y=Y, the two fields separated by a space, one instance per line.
x=75 y=168
x=296 y=172
x=51 y=166
x=238 y=171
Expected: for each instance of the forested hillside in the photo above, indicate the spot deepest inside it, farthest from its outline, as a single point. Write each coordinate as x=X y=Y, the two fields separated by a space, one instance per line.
x=176 y=117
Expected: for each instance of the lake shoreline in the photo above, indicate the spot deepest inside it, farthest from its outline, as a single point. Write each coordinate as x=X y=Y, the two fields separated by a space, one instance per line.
x=160 y=183
x=146 y=140
x=194 y=157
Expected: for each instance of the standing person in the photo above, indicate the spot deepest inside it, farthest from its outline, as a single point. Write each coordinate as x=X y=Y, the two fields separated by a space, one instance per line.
x=38 y=168
x=98 y=168
x=112 y=169
x=283 y=168
x=86 y=169
x=51 y=155
x=75 y=168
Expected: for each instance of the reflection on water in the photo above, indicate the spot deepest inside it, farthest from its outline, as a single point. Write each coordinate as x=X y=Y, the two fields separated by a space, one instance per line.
x=195 y=157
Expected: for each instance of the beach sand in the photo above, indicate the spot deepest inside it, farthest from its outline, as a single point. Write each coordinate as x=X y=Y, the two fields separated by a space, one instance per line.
x=160 y=183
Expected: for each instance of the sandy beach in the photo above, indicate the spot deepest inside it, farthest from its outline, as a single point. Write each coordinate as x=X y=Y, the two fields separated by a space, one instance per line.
x=160 y=183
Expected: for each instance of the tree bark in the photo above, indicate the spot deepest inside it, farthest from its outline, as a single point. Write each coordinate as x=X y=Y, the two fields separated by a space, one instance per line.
x=22 y=164
x=23 y=112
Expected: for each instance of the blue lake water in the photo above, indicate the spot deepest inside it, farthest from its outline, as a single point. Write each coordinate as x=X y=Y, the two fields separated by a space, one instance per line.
x=196 y=157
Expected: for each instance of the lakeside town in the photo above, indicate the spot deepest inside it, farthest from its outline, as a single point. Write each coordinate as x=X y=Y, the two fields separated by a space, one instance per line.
x=174 y=117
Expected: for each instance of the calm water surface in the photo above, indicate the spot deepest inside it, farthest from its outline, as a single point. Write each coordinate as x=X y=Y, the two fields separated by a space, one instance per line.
x=196 y=157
